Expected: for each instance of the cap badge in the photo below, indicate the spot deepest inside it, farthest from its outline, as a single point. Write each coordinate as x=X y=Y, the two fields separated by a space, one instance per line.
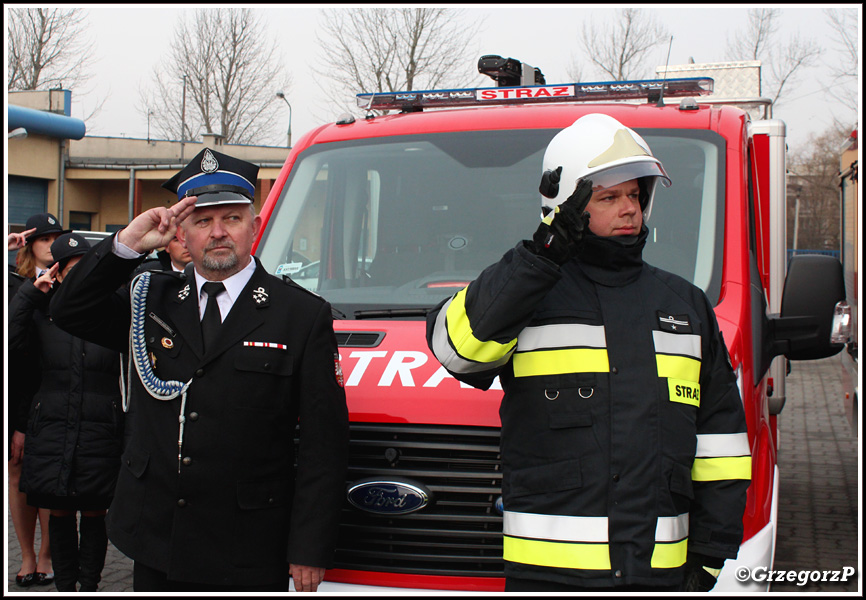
x=167 y=343
x=51 y=221
x=72 y=243
x=209 y=162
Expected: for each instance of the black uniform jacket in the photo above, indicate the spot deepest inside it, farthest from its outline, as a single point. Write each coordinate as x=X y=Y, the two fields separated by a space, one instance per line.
x=23 y=372
x=75 y=427
x=229 y=508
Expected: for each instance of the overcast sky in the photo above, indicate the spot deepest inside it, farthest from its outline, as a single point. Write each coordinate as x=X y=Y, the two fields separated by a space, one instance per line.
x=131 y=38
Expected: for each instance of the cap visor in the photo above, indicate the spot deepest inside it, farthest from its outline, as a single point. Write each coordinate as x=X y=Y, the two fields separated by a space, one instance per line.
x=214 y=198
x=33 y=236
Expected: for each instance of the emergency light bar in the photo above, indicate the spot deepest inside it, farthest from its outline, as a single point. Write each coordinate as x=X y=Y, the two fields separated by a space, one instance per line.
x=648 y=89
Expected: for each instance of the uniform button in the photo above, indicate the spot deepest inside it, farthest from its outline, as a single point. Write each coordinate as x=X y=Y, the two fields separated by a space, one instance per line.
x=199 y=373
x=617 y=573
x=193 y=416
x=267 y=366
x=616 y=478
x=614 y=370
x=270 y=500
x=151 y=340
x=181 y=503
x=187 y=461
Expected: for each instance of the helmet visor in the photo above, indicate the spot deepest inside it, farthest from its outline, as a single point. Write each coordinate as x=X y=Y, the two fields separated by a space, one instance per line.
x=634 y=170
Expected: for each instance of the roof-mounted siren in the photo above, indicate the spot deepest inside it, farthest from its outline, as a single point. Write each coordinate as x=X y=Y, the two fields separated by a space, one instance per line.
x=509 y=72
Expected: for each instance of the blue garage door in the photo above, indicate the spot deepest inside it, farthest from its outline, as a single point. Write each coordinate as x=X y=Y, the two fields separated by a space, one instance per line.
x=27 y=196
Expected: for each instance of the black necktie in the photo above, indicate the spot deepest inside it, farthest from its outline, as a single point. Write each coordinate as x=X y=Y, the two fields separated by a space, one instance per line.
x=210 y=323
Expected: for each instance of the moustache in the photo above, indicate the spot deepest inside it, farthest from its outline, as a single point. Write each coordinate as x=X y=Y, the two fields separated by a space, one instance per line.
x=219 y=244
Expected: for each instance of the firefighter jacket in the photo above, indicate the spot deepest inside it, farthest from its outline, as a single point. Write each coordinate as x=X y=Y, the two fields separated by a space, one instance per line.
x=623 y=438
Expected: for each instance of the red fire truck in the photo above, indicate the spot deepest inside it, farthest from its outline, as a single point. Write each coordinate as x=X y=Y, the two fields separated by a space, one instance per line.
x=386 y=215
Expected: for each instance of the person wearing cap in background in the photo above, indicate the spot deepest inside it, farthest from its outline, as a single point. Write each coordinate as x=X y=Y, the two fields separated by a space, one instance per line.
x=33 y=257
x=40 y=232
x=208 y=498
x=74 y=431
x=625 y=458
x=174 y=257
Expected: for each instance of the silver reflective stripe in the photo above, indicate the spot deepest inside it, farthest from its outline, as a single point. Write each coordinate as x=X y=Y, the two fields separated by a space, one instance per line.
x=687 y=344
x=561 y=336
x=555 y=527
x=722 y=444
x=672 y=529
x=448 y=357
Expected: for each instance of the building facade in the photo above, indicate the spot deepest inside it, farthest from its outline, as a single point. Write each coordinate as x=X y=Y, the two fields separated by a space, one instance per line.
x=98 y=183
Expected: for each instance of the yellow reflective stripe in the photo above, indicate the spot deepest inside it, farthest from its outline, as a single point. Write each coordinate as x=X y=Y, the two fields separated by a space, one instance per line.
x=557 y=362
x=564 y=555
x=720 y=469
x=460 y=333
x=683 y=391
x=669 y=556
x=678 y=367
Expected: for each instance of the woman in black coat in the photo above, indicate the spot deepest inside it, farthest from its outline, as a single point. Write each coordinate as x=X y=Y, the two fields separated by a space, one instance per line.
x=74 y=432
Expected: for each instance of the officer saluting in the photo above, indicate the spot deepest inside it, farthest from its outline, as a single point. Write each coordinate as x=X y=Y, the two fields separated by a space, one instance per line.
x=227 y=361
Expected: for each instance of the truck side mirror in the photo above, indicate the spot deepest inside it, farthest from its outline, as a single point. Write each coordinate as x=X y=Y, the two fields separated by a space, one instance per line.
x=813 y=287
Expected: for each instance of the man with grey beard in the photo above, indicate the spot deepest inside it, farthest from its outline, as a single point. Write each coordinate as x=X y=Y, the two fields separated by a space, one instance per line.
x=228 y=361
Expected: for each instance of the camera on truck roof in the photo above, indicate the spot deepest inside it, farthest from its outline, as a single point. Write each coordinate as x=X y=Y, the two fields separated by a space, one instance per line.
x=509 y=71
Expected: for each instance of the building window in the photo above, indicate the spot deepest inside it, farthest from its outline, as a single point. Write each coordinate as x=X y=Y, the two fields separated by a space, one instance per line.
x=80 y=221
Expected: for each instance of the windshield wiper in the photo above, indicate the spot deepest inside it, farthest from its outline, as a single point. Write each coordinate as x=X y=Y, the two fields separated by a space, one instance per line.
x=391 y=313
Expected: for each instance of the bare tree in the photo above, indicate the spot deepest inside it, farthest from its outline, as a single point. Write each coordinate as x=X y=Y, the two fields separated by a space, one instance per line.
x=781 y=63
x=843 y=67
x=620 y=49
x=367 y=50
x=220 y=77
x=813 y=191
x=47 y=48
x=574 y=70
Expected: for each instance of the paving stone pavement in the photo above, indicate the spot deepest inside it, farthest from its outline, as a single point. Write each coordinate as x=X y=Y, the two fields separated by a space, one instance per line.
x=819 y=480
x=818 y=497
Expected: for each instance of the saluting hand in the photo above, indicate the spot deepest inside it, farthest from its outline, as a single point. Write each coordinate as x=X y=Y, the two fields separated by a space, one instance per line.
x=44 y=282
x=156 y=227
x=16 y=241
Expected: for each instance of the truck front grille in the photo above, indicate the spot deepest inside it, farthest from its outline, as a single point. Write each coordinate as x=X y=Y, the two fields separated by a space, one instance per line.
x=459 y=533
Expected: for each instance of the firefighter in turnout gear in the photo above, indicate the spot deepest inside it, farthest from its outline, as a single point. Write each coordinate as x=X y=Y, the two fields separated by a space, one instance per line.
x=624 y=448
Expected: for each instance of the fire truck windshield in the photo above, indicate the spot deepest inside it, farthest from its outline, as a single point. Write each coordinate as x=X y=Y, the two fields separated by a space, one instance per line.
x=395 y=223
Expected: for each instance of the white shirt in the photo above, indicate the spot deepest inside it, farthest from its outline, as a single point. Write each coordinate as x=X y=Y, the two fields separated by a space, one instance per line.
x=234 y=285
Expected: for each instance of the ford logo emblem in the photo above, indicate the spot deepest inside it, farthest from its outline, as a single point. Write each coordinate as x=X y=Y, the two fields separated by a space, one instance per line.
x=388 y=497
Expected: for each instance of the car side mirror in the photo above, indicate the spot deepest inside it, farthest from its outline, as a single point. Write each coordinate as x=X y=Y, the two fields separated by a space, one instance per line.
x=813 y=287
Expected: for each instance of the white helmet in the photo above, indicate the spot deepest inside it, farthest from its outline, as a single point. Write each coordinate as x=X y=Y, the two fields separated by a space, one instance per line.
x=604 y=150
